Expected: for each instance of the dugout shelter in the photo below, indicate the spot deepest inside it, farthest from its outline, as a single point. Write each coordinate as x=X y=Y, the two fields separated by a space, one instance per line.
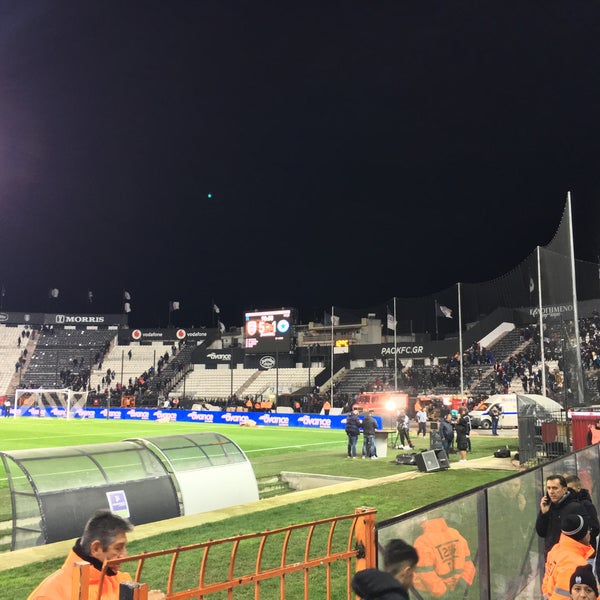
x=53 y=491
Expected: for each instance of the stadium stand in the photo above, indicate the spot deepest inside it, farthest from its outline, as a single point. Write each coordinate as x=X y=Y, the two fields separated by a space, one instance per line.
x=117 y=361
x=10 y=354
x=65 y=357
x=211 y=384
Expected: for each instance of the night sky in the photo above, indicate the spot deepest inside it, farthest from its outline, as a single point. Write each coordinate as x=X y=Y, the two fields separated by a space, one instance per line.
x=268 y=154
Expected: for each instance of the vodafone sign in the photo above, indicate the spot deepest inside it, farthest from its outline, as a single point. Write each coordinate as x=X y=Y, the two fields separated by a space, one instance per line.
x=136 y=334
x=180 y=334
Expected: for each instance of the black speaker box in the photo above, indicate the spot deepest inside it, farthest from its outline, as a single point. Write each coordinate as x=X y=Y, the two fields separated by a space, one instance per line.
x=427 y=461
x=443 y=459
x=406 y=459
x=435 y=441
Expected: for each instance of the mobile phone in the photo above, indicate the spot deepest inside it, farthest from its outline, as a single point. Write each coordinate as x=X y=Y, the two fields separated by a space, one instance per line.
x=546 y=499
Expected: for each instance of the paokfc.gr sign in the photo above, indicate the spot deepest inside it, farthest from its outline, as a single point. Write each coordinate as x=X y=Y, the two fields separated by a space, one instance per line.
x=307 y=421
x=403 y=350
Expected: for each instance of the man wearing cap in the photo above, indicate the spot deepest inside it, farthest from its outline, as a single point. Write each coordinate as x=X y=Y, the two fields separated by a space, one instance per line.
x=554 y=506
x=583 y=584
x=572 y=550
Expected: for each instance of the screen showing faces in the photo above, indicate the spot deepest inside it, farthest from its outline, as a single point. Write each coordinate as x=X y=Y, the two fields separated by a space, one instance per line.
x=268 y=330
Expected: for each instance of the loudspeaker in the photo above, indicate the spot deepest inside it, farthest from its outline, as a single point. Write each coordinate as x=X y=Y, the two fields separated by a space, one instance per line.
x=427 y=461
x=442 y=459
x=406 y=459
x=435 y=441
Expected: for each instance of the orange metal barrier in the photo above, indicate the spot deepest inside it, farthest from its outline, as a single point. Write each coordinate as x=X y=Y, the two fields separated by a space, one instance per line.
x=313 y=560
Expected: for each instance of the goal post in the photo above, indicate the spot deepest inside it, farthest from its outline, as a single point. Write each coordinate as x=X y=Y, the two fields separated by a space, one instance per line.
x=62 y=403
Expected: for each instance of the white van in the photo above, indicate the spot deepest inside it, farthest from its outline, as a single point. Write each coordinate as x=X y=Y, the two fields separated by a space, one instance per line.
x=507 y=406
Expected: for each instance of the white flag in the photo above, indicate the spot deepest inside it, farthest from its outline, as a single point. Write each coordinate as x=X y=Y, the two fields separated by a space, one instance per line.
x=447 y=312
x=54 y=293
x=221 y=327
x=127 y=307
x=216 y=309
x=90 y=296
x=173 y=305
x=531 y=285
x=126 y=296
x=391 y=323
x=335 y=320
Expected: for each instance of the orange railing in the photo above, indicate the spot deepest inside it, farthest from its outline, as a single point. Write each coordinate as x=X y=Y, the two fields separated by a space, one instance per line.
x=313 y=560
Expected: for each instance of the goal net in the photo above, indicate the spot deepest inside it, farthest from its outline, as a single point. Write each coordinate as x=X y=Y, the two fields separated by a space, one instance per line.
x=63 y=403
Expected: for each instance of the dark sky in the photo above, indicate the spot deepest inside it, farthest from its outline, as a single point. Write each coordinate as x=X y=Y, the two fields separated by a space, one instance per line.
x=355 y=151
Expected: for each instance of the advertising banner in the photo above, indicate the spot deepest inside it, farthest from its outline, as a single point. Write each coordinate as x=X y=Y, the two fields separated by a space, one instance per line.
x=308 y=421
x=62 y=319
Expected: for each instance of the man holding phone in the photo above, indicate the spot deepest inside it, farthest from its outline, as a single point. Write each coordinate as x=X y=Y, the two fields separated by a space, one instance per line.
x=556 y=504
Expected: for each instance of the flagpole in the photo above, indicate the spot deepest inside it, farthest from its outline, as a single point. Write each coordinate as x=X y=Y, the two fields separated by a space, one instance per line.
x=436 y=320
x=577 y=354
x=541 y=322
x=395 y=349
x=460 y=343
x=331 y=385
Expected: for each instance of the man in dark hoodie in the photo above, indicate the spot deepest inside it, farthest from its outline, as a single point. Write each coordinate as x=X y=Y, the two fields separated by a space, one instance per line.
x=393 y=583
x=583 y=497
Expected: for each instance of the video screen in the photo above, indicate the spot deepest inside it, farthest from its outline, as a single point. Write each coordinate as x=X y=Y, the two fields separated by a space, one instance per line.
x=268 y=331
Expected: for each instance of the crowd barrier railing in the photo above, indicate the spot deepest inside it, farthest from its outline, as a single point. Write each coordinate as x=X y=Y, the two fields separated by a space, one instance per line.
x=309 y=560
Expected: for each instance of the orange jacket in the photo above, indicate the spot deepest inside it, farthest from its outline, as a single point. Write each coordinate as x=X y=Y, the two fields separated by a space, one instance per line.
x=444 y=558
x=564 y=557
x=58 y=585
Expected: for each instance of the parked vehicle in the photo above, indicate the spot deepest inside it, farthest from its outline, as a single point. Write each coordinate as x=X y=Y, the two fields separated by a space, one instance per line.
x=381 y=402
x=507 y=405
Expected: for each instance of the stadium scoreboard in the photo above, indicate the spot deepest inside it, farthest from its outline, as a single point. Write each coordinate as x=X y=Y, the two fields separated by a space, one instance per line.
x=268 y=331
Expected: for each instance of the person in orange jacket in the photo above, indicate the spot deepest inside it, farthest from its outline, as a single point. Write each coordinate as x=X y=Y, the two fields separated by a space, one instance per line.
x=571 y=551
x=444 y=559
x=104 y=538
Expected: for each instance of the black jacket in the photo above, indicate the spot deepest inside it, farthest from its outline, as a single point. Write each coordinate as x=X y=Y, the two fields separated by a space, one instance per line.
x=372 y=584
x=352 y=424
x=584 y=498
x=547 y=524
x=369 y=425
